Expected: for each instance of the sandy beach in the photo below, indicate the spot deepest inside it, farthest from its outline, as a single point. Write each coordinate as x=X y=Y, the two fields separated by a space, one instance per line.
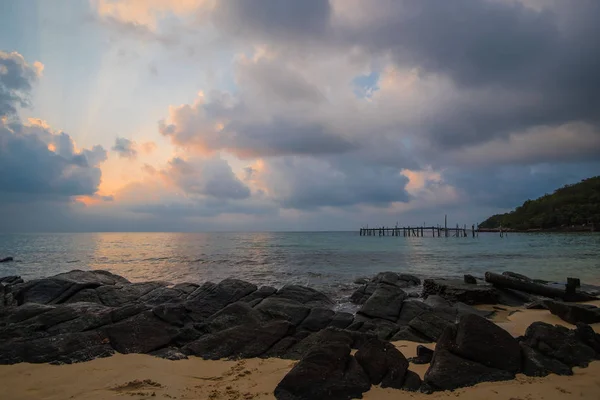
x=146 y=377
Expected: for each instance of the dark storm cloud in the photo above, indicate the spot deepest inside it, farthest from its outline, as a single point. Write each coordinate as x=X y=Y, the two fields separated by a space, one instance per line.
x=125 y=148
x=211 y=177
x=285 y=19
x=30 y=170
x=308 y=183
x=16 y=79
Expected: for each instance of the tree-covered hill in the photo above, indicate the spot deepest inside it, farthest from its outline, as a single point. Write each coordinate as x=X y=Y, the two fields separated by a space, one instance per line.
x=576 y=205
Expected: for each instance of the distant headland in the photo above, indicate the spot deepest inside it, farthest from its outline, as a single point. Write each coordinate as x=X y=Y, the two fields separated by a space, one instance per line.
x=572 y=208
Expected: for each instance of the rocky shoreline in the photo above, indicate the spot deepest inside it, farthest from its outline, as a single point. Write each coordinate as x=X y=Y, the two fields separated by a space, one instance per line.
x=82 y=315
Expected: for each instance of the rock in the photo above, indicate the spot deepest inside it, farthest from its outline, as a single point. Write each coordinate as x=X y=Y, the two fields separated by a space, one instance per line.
x=409 y=334
x=11 y=280
x=517 y=276
x=429 y=325
x=326 y=372
x=361 y=281
x=238 y=313
x=243 y=341
x=386 y=277
x=60 y=349
x=385 y=303
x=560 y=343
x=410 y=309
x=173 y=314
x=162 y=295
x=317 y=319
x=319 y=339
x=128 y=311
x=411 y=279
x=141 y=333
x=120 y=295
x=424 y=355
x=448 y=372
x=363 y=293
x=536 y=305
x=586 y=334
x=538 y=364
x=465 y=309
x=454 y=290
x=574 y=313
x=304 y=295
x=477 y=339
x=412 y=382
x=98 y=277
x=470 y=279
x=262 y=293
x=169 y=353
x=6 y=259
x=42 y=291
x=186 y=287
x=210 y=298
x=383 y=363
x=282 y=308
x=341 y=320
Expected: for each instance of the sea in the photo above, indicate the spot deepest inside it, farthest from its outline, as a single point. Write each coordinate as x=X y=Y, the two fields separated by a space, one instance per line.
x=327 y=261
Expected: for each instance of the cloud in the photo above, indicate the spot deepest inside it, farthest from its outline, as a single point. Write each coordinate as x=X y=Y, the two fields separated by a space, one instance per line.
x=16 y=80
x=125 y=148
x=39 y=163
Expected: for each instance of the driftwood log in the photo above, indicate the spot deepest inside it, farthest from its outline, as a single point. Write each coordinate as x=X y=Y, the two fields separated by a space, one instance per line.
x=510 y=282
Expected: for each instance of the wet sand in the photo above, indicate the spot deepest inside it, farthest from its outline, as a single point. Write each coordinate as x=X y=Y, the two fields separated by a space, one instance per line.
x=145 y=377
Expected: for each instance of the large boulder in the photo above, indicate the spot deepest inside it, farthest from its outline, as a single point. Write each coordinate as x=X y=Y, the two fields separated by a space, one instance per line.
x=560 y=343
x=574 y=313
x=120 y=295
x=304 y=295
x=326 y=372
x=327 y=336
x=457 y=290
x=243 y=341
x=238 y=313
x=409 y=334
x=430 y=325
x=65 y=348
x=385 y=303
x=536 y=363
x=210 y=298
x=448 y=372
x=141 y=333
x=383 y=363
x=477 y=339
x=283 y=308
x=318 y=318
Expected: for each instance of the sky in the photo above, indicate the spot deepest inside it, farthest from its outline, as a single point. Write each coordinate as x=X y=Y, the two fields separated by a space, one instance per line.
x=286 y=115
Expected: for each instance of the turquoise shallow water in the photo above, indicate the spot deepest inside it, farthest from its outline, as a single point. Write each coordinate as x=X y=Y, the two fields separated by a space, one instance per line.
x=329 y=261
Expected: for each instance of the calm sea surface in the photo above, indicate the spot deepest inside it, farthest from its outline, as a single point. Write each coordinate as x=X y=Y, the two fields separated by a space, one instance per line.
x=328 y=261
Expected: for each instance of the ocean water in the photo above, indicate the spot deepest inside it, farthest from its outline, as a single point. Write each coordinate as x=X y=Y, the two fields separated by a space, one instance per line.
x=328 y=261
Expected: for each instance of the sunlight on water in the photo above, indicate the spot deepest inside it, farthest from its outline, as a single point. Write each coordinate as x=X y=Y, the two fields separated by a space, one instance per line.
x=329 y=261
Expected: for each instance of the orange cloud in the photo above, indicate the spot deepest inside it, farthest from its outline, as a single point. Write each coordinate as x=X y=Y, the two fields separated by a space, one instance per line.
x=148 y=147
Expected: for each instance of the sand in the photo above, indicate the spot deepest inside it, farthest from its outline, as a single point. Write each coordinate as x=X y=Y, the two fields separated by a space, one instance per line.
x=145 y=377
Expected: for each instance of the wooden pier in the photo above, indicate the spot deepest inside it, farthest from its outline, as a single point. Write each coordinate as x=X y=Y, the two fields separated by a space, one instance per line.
x=422 y=231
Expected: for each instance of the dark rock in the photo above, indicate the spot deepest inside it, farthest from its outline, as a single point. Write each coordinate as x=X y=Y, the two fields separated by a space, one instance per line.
x=411 y=309
x=385 y=303
x=243 y=341
x=42 y=291
x=11 y=280
x=341 y=320
x=586 y=334
x=363 y=293
x=262 y=293
x=560 y=343
x=186 y=287
x=411 y=279
x=424 y=355
x=454 y=290
x=319 y=339
x=386 y=277
x=361 y=281
x=477 y=339
x=284 y=346
x=326 y=372
x=538 y=364
x=517 y=276
x=210 y=298
x=6 y=259
x=536 y=305
x=85 y=296
x=25 y=312
x=574 y=313
x=142 y=333
x=448 y=371
x=412 y=382
x=174 y=314
x=429 y=325
x=317 y=319
x=238 y=313
x=77 y=317
x=98 y=277
x=383 y=363
x=60 y=349
x=282 y=308
x=169 y=353
x=127 y=311
x=465 y=309
x=470 y=279
x=117 y=296
x=304 y=295
x=162 y=295
x=186 y=335
x=409 y=334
